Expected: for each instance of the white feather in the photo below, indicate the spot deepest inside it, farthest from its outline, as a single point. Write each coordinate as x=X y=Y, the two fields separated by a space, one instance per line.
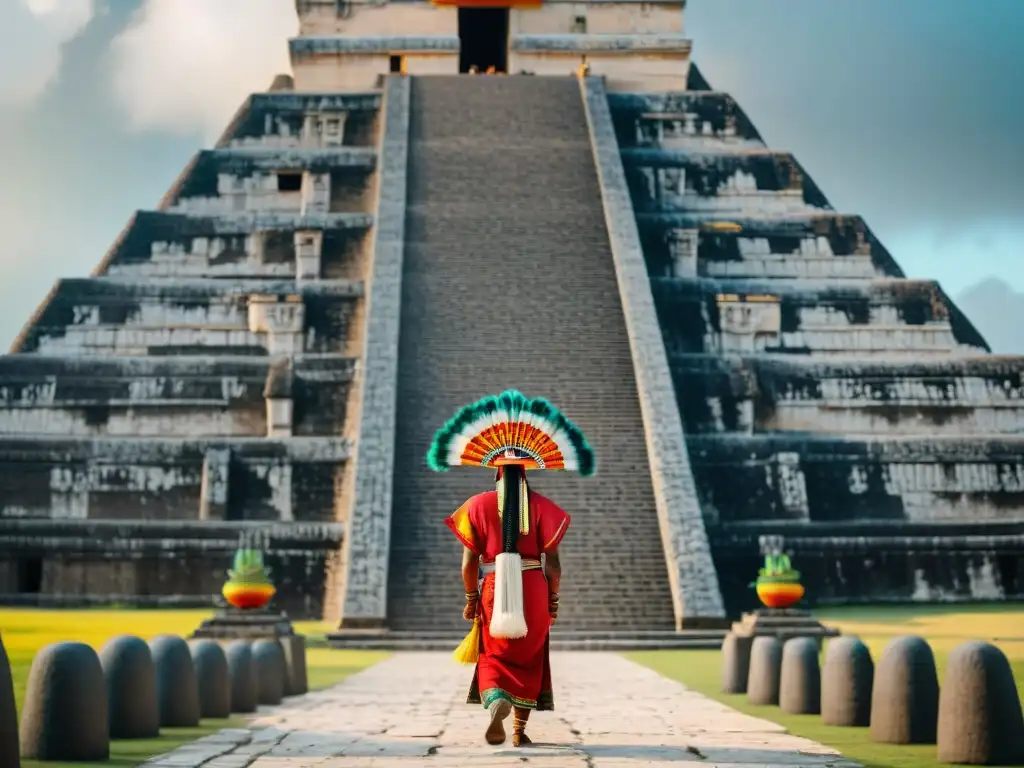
x=508 y=619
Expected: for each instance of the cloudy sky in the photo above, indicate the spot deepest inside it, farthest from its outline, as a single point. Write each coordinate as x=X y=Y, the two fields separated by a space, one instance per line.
x=906 y=111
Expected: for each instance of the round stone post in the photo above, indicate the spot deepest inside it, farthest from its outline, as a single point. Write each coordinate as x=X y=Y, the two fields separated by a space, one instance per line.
x=846 y=683
x=765 y=671
x=294 y=647
x=130 y=674
x=735 y=663
x=905 y=694
x=10 y=749
x=211 y=667
x=800 y=681
x=177 y=689
x=980 y=719
x=242 y=674
x=271 y=674
x=65 y=716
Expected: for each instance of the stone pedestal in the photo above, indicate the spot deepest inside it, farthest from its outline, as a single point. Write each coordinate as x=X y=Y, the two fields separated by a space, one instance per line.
x=236 y=624
x=250 y=625
x=783 y=624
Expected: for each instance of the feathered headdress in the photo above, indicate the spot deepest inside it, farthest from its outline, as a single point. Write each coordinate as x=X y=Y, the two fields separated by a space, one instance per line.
x=505 y=432
x=511 y=429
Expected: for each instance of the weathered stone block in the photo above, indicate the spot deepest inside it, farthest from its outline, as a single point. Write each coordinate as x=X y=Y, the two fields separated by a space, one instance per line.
x=905 y=694
x=212 y=678
x=980 y=718
x=800 y=680
x=765 y=671
x=176 y=686
x=294 y=647
x=271 y=674
x=9 y=746
x=846 y=683
x=242 y=674
x=65 y=714
x=131 y=688
x=735 y=663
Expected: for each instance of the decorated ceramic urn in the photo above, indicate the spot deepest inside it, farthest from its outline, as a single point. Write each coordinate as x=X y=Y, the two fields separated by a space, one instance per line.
x=248 y=584
x=778 y=584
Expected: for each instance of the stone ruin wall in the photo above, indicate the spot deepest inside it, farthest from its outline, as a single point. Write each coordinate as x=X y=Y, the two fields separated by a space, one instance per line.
x=824 y=396
x=200 y=384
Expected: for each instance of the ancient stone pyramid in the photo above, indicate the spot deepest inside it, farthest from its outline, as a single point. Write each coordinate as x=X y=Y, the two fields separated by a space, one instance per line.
x=268 y=353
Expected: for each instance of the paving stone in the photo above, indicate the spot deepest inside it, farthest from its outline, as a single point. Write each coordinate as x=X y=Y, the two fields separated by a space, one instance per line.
x=410 y=710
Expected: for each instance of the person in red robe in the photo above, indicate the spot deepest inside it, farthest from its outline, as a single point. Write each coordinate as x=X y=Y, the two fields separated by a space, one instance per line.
x=513 y=535
x=513 y=674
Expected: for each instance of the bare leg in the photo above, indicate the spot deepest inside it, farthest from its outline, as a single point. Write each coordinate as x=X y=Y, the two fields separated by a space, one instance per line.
x=519 y=719
x=499 y=710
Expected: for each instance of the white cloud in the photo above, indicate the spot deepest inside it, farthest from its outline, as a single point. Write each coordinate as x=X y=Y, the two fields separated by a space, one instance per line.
x=184 y=66
x=32 y=33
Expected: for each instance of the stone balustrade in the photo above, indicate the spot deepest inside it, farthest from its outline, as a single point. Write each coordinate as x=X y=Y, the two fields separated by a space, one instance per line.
x=167 y=396
x=747 y=182
x=876 y=318
x=97 y=316
x=289 y=246
x=975 y=395
x=682 y=120
x=821 y=479
x=171 y=479
x=303 y=181
x=286 y=120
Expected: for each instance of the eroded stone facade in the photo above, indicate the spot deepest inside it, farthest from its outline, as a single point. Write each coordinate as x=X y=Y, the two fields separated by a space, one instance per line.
x=252 y=354
x=825 y=397
x=197 y=386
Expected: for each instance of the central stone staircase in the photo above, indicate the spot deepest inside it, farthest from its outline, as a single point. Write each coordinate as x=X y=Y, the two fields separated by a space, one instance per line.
x=509 y=282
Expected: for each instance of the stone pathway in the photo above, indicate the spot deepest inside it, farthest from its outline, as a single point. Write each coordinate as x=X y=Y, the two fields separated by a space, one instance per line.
x=410 y=710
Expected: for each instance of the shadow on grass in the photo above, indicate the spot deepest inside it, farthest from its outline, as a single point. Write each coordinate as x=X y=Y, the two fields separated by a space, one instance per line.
x=131 y=752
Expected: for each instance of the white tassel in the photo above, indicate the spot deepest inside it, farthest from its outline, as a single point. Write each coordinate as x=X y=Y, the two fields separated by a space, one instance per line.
x=508 y=619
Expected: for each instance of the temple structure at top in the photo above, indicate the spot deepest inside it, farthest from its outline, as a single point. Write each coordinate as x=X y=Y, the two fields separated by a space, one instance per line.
x=383 y=237
x=348 y=45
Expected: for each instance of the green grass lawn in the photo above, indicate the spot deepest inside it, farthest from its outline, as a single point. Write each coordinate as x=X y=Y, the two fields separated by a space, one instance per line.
x=944 y=627
x=25 y=631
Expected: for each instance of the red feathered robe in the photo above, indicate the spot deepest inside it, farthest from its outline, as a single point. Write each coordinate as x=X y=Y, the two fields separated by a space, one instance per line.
x=515 y=669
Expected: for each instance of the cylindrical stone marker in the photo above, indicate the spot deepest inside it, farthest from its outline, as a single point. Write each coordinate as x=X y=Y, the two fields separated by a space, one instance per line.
x=65 y=715
x=765 y=671
x=9 y=746
x=211 y=667
x=271 y=674
x=735 y=663
x=294 y=647
x=131 y=688
x=905 y=694
x=980 y=719
x=176 y=686
x=800 y=681
x=242 y=673
x=846 y=683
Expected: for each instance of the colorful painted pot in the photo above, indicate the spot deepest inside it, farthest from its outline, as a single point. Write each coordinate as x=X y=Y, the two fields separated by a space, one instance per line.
x=780 y=594
x=247 y=595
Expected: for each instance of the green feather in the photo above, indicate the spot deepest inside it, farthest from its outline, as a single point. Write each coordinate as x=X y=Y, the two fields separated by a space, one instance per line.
x=514 y=403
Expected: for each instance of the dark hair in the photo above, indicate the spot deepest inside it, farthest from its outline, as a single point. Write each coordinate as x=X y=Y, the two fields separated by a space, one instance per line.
x=510 y=476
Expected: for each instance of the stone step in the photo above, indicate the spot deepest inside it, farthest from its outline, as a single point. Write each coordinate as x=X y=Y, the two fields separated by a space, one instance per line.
x=574 y=641
x=509 y=282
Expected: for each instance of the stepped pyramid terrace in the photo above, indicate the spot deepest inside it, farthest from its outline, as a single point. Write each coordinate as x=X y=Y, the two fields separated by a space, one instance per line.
x=383 y=237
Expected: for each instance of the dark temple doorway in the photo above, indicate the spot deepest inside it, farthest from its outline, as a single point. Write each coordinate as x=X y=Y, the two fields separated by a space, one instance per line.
x=483 y=38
